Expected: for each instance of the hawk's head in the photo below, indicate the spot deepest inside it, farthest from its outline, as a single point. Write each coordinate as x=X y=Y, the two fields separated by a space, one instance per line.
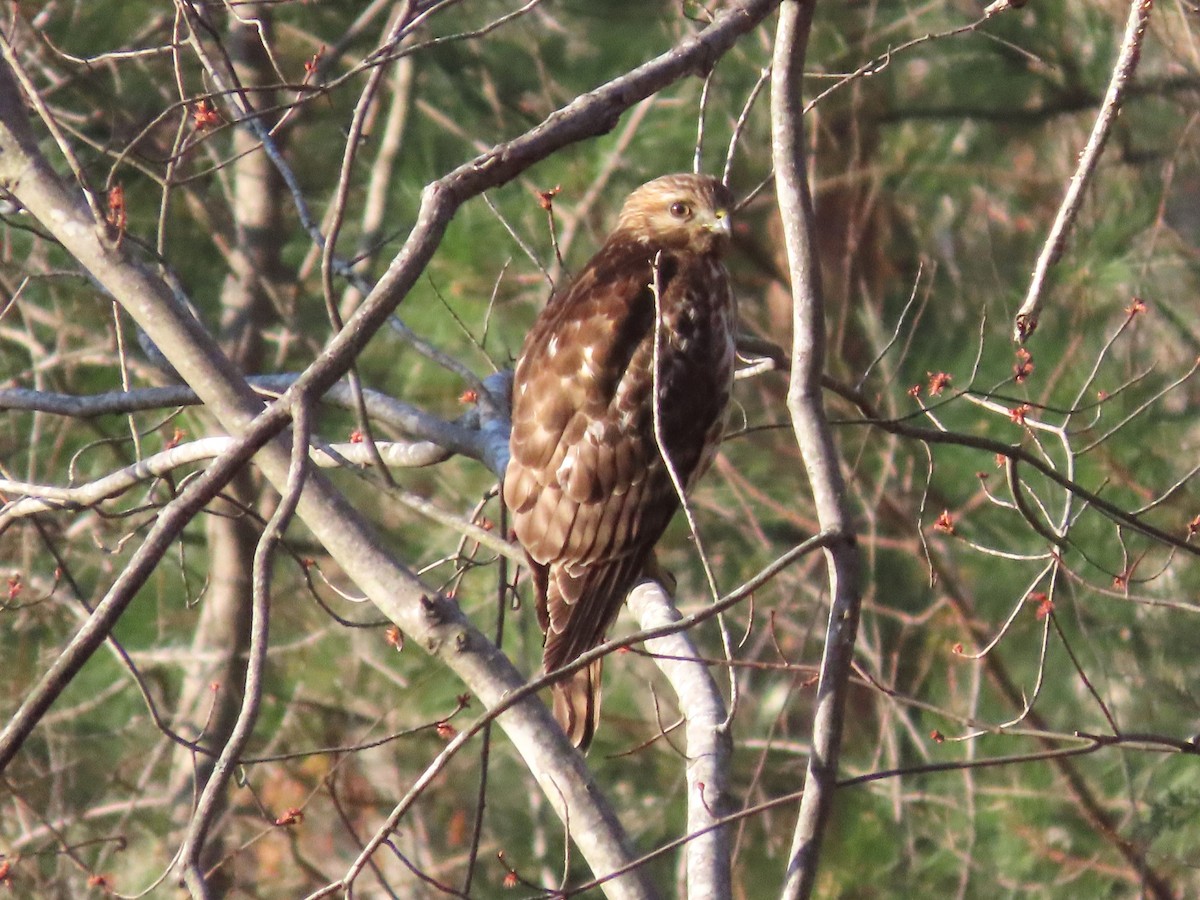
x=678 y=212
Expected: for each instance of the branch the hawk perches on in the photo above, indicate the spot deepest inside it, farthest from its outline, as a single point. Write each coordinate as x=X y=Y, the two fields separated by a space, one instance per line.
x=588 y=489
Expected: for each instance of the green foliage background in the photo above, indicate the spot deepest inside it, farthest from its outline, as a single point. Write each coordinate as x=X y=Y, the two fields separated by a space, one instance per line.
x=936 y=179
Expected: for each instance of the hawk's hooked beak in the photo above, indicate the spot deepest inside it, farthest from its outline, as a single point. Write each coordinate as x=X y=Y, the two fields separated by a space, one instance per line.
x=721 y=224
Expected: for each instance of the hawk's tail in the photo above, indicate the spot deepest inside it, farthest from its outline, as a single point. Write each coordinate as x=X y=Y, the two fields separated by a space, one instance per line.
x=576 y=612
x=577 y=704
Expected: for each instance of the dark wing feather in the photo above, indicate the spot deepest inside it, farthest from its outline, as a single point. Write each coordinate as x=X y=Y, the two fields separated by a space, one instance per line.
x=565 y=464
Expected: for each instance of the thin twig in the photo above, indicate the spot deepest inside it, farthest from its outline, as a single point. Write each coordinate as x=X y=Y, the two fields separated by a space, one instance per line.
x=34 y=96
x=1026 y=319
x=676 y=481
x=264 y=555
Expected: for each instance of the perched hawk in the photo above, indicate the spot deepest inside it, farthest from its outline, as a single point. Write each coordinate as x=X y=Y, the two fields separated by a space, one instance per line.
x=586 y=484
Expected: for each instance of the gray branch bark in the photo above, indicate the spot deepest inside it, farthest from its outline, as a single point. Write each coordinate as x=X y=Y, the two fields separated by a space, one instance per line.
x=1026 y=319
x=708 y=744
x=815 y=439
x=222 y=635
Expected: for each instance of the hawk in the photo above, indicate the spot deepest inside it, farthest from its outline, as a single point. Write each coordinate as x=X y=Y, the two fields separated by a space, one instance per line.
x=586 y=483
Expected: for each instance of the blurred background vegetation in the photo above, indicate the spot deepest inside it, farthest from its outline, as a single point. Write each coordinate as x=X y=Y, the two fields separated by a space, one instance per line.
x=936 y=176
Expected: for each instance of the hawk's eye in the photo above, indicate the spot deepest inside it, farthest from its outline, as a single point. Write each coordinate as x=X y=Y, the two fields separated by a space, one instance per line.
x=681 y=210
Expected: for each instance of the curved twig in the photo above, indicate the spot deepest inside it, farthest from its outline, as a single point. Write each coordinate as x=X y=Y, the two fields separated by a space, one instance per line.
x=1026 y=319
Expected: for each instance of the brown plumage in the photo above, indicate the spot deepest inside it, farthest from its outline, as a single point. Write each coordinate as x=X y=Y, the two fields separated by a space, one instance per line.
x=586 y=484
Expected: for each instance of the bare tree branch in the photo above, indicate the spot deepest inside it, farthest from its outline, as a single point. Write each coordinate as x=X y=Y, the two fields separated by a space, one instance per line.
x=815 y=439
x=211 y=797
x=474 y=434
x=38 y=498
x=1026 y=319
x=709 y=744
